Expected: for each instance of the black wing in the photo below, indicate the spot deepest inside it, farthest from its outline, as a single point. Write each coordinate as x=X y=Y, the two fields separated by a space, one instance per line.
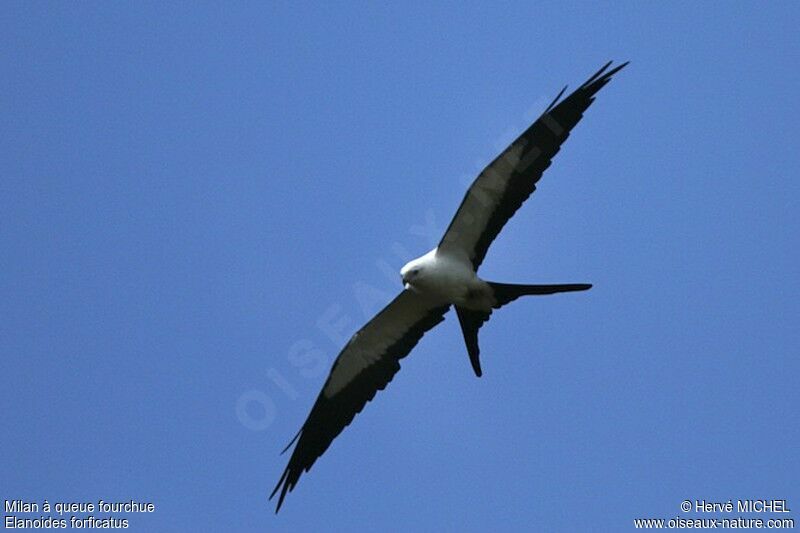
x=366 y=365
x=511 y=178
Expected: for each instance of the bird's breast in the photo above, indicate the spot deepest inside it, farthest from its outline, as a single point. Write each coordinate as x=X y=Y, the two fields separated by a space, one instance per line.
x=448 y=280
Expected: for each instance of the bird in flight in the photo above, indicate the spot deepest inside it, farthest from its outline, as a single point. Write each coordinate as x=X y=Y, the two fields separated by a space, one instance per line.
x=444 y=277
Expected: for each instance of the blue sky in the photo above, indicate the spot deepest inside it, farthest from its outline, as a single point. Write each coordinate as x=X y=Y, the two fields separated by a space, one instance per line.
x=198 y=203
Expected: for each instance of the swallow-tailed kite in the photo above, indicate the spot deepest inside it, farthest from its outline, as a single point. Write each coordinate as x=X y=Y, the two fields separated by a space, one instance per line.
x=446 y=276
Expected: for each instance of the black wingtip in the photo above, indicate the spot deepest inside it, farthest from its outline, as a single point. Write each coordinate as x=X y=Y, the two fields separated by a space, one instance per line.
x=600 y=78
x=282 y=482
x=616 y=69
x=291 y=442
x=601 y=74
x=555 y=100
x=598 y=73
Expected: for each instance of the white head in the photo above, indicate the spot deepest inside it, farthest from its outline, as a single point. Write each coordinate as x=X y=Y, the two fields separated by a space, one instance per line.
x=414 y=271
x=411 y=272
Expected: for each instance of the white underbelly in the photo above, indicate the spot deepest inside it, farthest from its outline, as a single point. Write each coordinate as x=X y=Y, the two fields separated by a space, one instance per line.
x=450 y=279
x=456 y=288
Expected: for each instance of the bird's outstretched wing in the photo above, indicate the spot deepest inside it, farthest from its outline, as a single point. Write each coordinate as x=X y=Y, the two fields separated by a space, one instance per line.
x=509 y=180
x=365 y=365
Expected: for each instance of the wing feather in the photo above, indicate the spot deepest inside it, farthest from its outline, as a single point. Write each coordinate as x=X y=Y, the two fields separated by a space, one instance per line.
x=365 y=365
x=502 y=187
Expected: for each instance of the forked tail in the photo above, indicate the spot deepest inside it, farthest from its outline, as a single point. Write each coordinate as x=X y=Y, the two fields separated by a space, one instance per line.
x=507 y=292
x=472 y=320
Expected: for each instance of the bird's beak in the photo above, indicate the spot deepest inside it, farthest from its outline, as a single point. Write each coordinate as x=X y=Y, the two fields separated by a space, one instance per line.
x=407 y=285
